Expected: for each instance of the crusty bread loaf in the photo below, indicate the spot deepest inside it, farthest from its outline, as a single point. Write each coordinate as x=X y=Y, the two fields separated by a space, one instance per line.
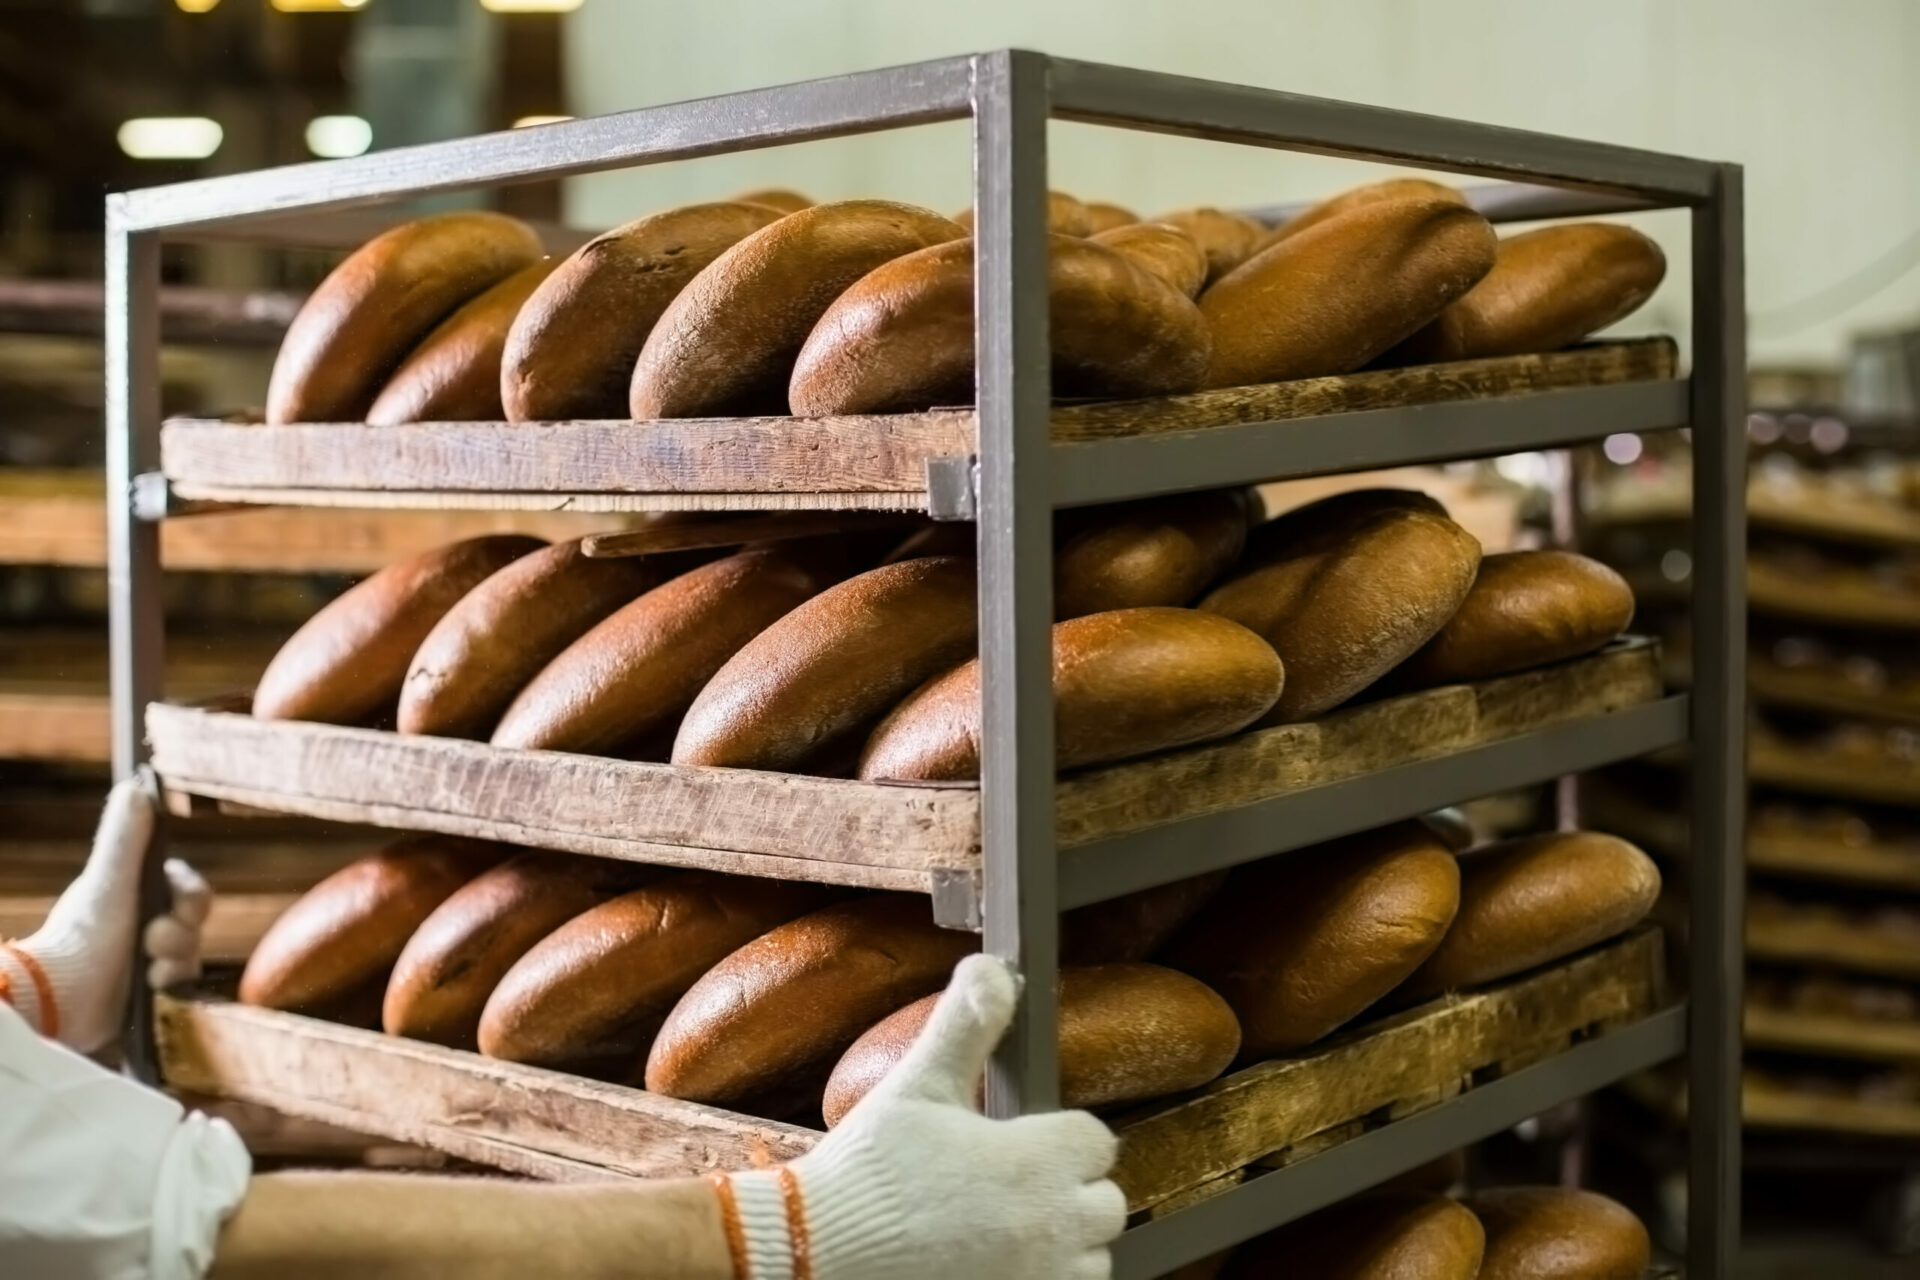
x=354 y=330
x=449 y=966
x=944 y=538
x=1167 y=251
x=762 y=1029
x=339 y=939
x=1128 y=1032
x=1558 y=1233
x=1163 y=551
x=786 y=201
x=1333 y=297
x=1346 y=589
x=1102 y=216
x=1526 y=609
x=347 y=664
x=1548 y=288
x=818 y=678
x=1065 y=215
x=1355 y=197
x=727 y=344
x=1302 y=944
x=1136 y=925
x=1530 y=901
x=1376 y=1237
x=1126 y=683
x=1226 y=238
x=501 y=633
x=901 y=338
x=594 y=990
x=454 y=374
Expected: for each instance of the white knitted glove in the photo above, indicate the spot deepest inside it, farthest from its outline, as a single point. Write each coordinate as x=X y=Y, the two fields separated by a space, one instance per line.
x=915 y=1182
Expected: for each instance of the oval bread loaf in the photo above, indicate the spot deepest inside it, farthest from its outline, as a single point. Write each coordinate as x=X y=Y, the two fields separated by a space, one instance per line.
x=449 y=966
x=595 y=989
x=817 y=678
x=454 y=374
x=571 y=349
x=727 y=344
x=761 y=1030
x=1530 y=901
x=1330 y=299
x=355 y=329
x=1355 y=197
x=1345 y=590
x=1128 y=1032
x=1125 y=683
x=780 y=198
x=1558 y=1233
x=1378 y=1237
x=902 y=337
x=1302 y=944
x=1163 y=551
x=1065 y=215
x=1167 y=251
x=1102 y=216
x=340 y=938
x=1548 y=288
x=1135 y=925
x=1526 y=609
x=1226 y=238
x=501 y=633
x=346 y=665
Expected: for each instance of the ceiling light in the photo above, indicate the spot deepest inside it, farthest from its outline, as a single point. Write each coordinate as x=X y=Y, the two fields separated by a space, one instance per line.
x=318 y=6
x=195 y=6
x=333 y=137
x=530 y=6
x=170 y=137
x=528 y=122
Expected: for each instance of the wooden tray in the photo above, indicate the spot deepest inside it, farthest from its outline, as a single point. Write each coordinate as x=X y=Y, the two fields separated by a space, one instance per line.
x=1766 y=1105
x=1832 y=1036
x=1835 y=944
x=1822 y=688
x=550 y=1125
x=1814 y=508
x=1882 y=779
x=872 y=461
x=877 y=835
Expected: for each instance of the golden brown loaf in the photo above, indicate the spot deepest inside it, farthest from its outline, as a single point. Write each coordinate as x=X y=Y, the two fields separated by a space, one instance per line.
x=775 y=198
x=1526 y=608
x=1128 y=1032
x=727 y=344
x=594 y=990
x=1167 y=251
x=762 y=1029
x=819 y=677
x=1163 y=551
x=1125 y=683
x=1557 y=1233
x=1065 y=215
x=346 y=665
x=1529 y=901
x=502 y=632
x=1226 y=238
x=1548 y=288
x=449 y=967
x=625 y=683
x=1302 y=944
x=454 y=374
x=902 y=337
x=1355 y=197
x=1332 y=298
x=1376 y=1237
x=1346 y=589
x=1102 y=216
x=341 y=937
x=1135 y=925
x=572 y=347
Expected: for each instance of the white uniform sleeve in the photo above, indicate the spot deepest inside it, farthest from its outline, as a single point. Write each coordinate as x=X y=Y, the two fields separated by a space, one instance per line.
x=101 y=1178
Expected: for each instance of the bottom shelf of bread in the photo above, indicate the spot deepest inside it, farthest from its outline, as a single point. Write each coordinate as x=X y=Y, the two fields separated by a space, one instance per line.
x=550 y=1124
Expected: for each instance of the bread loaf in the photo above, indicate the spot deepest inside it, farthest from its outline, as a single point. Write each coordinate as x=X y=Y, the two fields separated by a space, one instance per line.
x=1128 y=1032
x=1167 y=251
x=454 y=374
x=1333 y=297
x=501 y=633
x=1377 y=1237
x=775 y=198
x=1065 y=215
x=449 y=966
x=628 y=680
x=1346 y=589
x=339 y=939
x=354 y=330
x=1530 y=901
x=347 y=664
x=1302 y=944
x=762 y=1029
x=1356 y=197
x=1226 y=238
x=1163 y=551
x=1526 y=609
x=1557 y=1233
x=1125 y=683
x=1135 y=925
x=1102 y=216
x=820 y=676
x=1548 y=288
x=902 y=337
x=594 y=990
x=945 y=538
x=727 y=344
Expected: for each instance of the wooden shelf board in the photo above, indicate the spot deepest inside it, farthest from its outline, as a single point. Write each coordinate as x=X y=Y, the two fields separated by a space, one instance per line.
x=1812 y=510
x=1821 y=688
x=1834 y=944
x=1766 y=1105
x=1829 y=1035
x=1885 y=780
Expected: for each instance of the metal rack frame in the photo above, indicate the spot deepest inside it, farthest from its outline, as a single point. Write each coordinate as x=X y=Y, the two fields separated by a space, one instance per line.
x=1019 y=476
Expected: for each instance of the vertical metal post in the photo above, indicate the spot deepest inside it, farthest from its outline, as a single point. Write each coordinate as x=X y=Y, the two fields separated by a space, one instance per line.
x=1012 y=382
x=136 y=626
x=1717 y=870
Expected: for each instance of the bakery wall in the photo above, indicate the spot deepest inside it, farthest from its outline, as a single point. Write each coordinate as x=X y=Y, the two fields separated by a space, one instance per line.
x=1817 y=99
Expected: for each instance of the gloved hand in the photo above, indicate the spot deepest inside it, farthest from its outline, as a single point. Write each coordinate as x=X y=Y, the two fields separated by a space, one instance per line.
x=916 y=1182
x=69 y=980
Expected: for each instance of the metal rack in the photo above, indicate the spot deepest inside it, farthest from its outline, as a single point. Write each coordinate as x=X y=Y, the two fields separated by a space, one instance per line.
x=1018 y=475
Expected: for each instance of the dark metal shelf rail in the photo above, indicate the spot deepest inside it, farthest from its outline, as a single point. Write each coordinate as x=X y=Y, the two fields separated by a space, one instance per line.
x=1010 y=96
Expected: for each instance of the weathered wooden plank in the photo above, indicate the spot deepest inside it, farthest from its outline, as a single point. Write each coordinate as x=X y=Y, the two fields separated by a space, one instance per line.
x=1834 y=943
x=550 y=502
x=1831 y=1035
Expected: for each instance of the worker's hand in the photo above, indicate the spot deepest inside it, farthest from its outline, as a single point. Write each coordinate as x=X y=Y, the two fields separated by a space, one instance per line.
x=916 y=1182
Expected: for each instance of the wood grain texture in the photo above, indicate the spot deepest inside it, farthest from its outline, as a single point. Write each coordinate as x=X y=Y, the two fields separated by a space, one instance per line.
x=1830 y=1036
x=724 y=532
x=551 y=503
